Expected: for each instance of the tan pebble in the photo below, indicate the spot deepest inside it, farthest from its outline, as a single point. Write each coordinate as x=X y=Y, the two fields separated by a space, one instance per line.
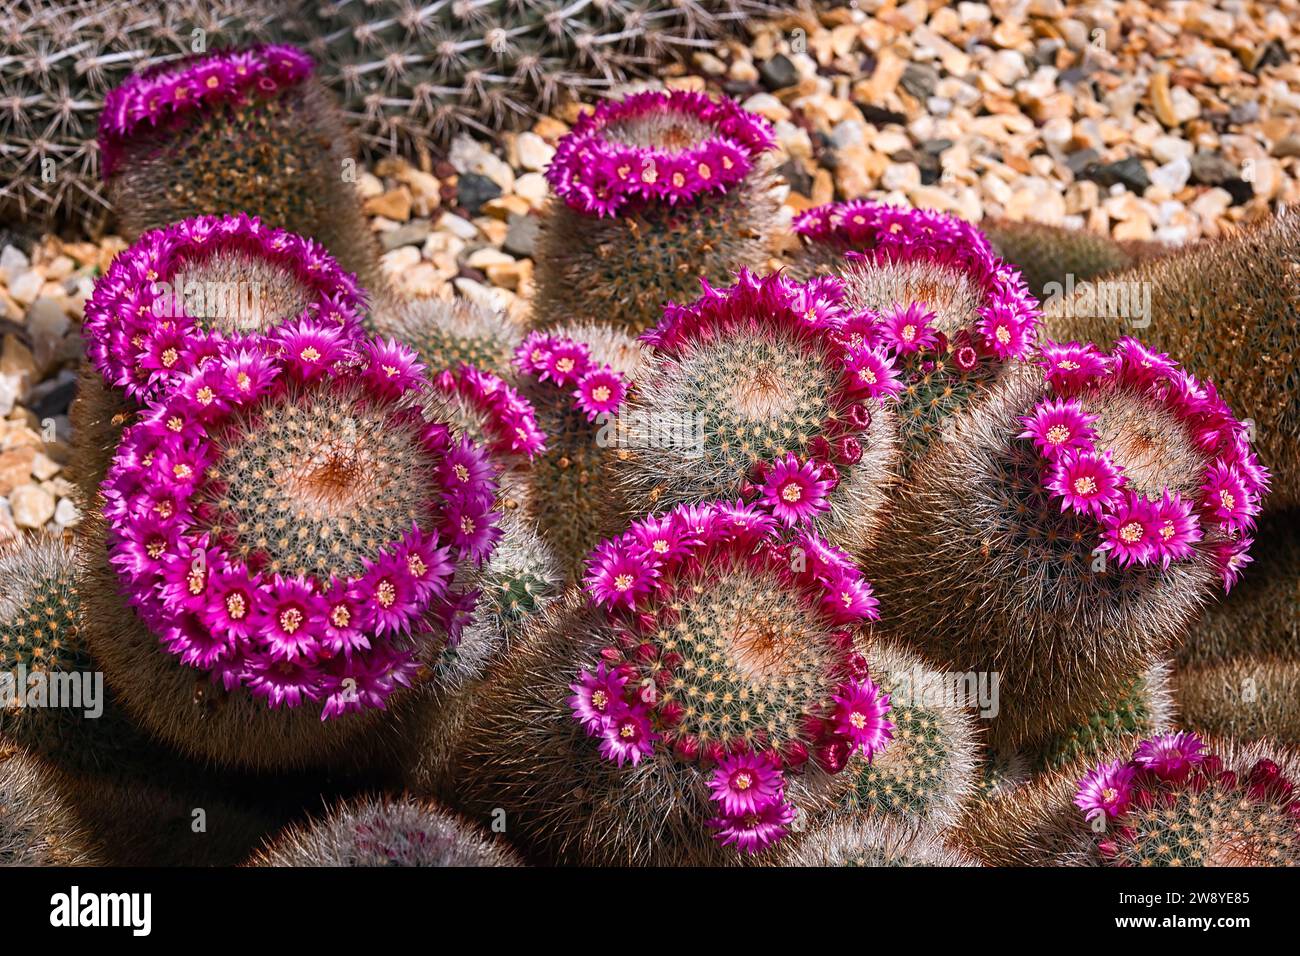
x=32 y=506
x=394 y=204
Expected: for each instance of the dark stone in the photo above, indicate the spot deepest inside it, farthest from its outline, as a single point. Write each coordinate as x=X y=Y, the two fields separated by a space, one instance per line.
x=935 y=147
x=1274 y=54
x=52 y=398
x=920 y=79
x=778 y=73
x=1241 y=191
x=739 y=89
x=928 y=163
x=1128 y=171
x=1211 y=169
x=1074 y=75
x=879 y=116
x=1243 y=113
x=1045 y=52
x=473 y=190
x=521 y=235
x=797 y=177
x=1081 y=159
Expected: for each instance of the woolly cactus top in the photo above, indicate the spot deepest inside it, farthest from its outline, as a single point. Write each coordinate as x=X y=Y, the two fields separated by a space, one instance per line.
x=1174 y=803
x=289 y=531
x=1156 y=456
x=508 y=418
x=656 y=147
x=141 y=335
x=731 y=645
x=177 y=90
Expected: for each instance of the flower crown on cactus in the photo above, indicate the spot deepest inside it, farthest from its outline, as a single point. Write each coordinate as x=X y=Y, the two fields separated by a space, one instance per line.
x=1173 y=775
x=326 y=613
x=602 y=166
x=874 y=234
x=644 y=691
x=599 y=389
x=1140 y=527
x=509 y=417
x=795 y=490
x=175 y=90
x=139 y=336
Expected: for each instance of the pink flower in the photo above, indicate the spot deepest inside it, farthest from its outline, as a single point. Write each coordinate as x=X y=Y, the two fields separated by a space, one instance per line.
x=1004 y=330
x=1177 y=529
x=1070 y=367
x=755 y=831
x=1170 y=756
x=908 y=328
x=391 y=367
x=600 y=392
x=871 y=372
x=627 y=735
x=1139 y=365
x=1231 y=558
x=860 y=709
x=1087 y=481
x=285 y=627
x=618 y=576
x=662 y=538
x=1225 y=499
x=848 y=598
x=1057 y=425
x=597 y=698
x=746 y=783
x=1131 y=530
x=566 y=361
x=795 y=493
x=387 y=596
x=1107 y=790
x=532 y=353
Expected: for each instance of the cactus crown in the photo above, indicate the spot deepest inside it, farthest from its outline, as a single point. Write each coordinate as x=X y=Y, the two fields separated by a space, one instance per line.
x=1149 y=452
x=38 y=607
x=166 y=302
x=288 y=531
x=728 y=642
x=656 y=147
x=492 y=412
x=447 y=335
x=1174 y=804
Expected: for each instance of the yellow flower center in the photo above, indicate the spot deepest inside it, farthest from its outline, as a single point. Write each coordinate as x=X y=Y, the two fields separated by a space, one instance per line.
x=743 y=781
x=858 y=720
x=462 y=473
x=1131 y=532
x=791 y=492
x=599 y=699
x=169 y=357
x=705 y=172
x=236 y=606
x=1085 y=485
x=416 y=565
x=386 y=594
x=1069 y=365
x=340 y=616
x=909 y=333
x=1058 y=434
x=466 y=524
x=194 y=581
x=565 y=365
x=660 y=546
x=290 y=620
x=309 y=354
x=627 y=731
x=1228 y=499
x=601 y=393
x=622 y=582
x=1003 y=334
x=205 y=396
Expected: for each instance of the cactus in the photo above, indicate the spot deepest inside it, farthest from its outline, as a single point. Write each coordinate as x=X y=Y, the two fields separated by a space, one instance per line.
x=757 y=390
x=928 y=772
x=1053 y=257
x=1261 y=617
x=248 y=131
x=951 y=312
x=1075 y=525
x=37 y=825
x=650 y=195
x=447 y=335
x=1144 y=706
x=572 y=502
x=290 y=534
x=1229 y=307
x=1243 y=698
x=387 y=832
x=884 y=841
x=705 y=694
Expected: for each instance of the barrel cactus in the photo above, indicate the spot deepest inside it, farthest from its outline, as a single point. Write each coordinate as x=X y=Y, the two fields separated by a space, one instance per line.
x=861 y=842
x=38 y=827
x=448 y=334
x=1246 y=698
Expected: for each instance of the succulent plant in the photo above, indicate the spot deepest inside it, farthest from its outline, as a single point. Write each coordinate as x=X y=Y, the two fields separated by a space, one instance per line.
x=651 y=194
x=1227 y=306
x=248 y=130
x=572 y=377
x=949 y=311
x=291 y=530
x=1075 y=526
x=1143 y=706
x=1245 y=698
x=387 y=832
x=697 y=702
x=1051 y=258
x=758 y=390
x=37 y=826
x=447 y=335
x=928 y=772
x=881 y=841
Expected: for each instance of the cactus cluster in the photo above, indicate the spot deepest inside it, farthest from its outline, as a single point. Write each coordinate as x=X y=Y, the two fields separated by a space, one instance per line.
x=763 y=390
x=38 y=827
x=651 y=194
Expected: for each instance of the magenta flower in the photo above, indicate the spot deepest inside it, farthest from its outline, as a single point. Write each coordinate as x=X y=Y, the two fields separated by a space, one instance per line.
x=312 y=347
x=1087 y=481
x=1170 y=756
x=1071 y=367
x=1058 y=425
x=849 y=598
x=755 y=831
x=859 y=716
x=1131 y=531
x=1231 y=558
x=600 y=392
x=618 y=576
x=907 y=328
x=1106 y=790
x=746 y=783
x=628 y=736
x=1177 y=529
x=796 y=493
x=1005 y=331
x=1226 y=500
x=667 y=537
x=871 y=373
x=597 y=698
x=391 y=368
x=1136 y=363
x=509 y=418
x=285 y=626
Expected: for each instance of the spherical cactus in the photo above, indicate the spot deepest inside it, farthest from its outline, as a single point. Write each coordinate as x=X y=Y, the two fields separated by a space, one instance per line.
x=928 y=772
x=1143 y=706
x=1245 y=698
x=1074 y=527
x=763 y=390
x=948 y=309
x=884 y=841
x=690 y=709
x=572 y=378
x=387 y=832
x=1053 y=258
x=248 y=130
x=290 y=535
x=651 y=194
x=1229 y=307
x=447 y=335
x=37 y=825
